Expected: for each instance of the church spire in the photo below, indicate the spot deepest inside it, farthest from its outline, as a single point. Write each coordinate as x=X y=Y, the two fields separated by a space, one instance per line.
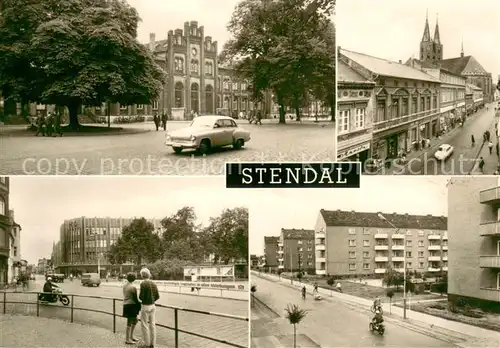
x=462 y=52
x=427 y=32
x=437 y=38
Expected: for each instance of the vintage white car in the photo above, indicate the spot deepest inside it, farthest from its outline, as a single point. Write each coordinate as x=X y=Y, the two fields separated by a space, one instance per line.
x=207 y=132
x=443 y=152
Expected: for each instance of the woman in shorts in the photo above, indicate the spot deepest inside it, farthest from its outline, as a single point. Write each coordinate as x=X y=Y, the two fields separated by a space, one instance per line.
x=131 y=308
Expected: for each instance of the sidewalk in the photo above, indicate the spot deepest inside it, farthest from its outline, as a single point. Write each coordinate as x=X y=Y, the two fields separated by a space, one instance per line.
x=25 y=331
x=491 y=161
x=473 y=335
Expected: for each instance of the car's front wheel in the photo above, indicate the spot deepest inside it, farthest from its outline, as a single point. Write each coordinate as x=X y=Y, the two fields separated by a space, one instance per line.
x=238 y=144
x=204 y=147
x=177 y=150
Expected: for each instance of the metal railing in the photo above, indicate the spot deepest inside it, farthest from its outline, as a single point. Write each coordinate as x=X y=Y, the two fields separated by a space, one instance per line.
x=71 y=307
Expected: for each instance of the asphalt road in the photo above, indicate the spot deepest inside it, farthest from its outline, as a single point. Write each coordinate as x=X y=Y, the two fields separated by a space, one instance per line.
x=327 y=324
x=464 y=157
x=146 y=154
x=230 y=330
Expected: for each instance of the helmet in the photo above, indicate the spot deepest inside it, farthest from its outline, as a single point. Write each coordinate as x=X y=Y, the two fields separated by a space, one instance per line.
x=49 y=278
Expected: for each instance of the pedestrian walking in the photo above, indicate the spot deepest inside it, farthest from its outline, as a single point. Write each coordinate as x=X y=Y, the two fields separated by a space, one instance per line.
x=488 y=134
x=156 y=120
x=490 y=147
x=473 y=141
x=57 y=124
x=259 y=118
x=481 y=165
x=148 y=295
x=164 y=120
x=50 y=124
x=131 y=308
x=498 y=149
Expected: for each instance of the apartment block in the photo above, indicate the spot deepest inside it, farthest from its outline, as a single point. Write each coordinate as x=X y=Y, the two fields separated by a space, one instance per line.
x=271 y=253
x=296 y=250
x=474 y=228
x=352 y=244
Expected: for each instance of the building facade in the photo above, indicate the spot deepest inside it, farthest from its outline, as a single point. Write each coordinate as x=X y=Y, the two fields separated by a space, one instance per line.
x=15 y=261
x=474 y=264
x=296 y=250
x=406 y=103
x=271 y=251
x=84 y=243
x=353 y=244
x=43 y=266
x=355 y=107
x=5 y=229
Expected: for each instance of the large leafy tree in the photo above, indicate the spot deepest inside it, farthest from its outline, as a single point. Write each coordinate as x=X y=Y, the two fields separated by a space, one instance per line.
x=278 y=45
x=138 y=242
x=181 y=238
x=229 y=233
x=74 y=53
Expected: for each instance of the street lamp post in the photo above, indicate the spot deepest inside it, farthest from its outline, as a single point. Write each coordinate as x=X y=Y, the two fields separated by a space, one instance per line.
x=382 y=217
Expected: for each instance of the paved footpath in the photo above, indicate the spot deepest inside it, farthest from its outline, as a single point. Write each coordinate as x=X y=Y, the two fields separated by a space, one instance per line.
x=24 y=331
x=455 y=333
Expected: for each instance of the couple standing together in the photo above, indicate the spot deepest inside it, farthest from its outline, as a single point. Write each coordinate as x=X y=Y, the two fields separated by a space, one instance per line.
x=145 y=304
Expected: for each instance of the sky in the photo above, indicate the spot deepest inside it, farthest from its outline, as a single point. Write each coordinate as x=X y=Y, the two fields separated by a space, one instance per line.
x=297 y=208
x=41 y=204
x=393 y=29
x=160 y=16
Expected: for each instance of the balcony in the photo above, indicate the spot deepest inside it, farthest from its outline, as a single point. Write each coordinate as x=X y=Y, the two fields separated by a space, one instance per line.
x=397 y=259
x=445 y=258
x=381 y=247
x=434 y=269
x=398 y=247
x=492 y=261
x=281 y=267
x=490 y=196
x=379 y=270
x=398 y=236
x=434 y=247
x=381 y=258
x=445 y=269
x=280 y=259
x=400 y=121
x=280 y=245
x=320 y=235
x=490 y=293
x=381 y=236
x=321 y=260
x=321 y=271
x=320 y=247
x=434 y=258
x=400 y=270
x=445 y=247
x=434 y=237
x=280 y=251
x=489 y=229
x=445 y=236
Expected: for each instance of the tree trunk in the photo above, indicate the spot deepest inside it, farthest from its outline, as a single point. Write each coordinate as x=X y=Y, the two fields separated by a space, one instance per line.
x=282 y=113
x=108 y=111
x=332 y=112
x=297 y=113
x=294 y=336
x=73 y=115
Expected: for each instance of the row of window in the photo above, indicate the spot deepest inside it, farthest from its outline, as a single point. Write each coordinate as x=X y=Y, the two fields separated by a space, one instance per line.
x=421 y=233
x=421 y=243
x=366 y=266
x=451 y=94
x=409 y=254
x=400 y=107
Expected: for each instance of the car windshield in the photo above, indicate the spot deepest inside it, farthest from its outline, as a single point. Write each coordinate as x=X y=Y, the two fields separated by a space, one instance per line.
x=442 y=148
x=202 y=122
x=84 y=276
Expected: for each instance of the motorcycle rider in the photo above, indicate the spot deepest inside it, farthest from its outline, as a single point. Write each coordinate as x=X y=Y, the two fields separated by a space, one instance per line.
x=377 y=303
x=49 y=287
x=378 y=318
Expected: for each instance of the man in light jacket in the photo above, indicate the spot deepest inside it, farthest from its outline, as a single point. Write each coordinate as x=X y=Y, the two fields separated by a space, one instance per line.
x=148 y=295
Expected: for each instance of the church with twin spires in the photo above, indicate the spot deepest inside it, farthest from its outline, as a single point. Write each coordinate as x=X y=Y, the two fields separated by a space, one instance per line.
x=431 y=54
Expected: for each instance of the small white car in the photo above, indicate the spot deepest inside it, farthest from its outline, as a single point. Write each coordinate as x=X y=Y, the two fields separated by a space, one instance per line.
x=443 y=152
x=207 y=132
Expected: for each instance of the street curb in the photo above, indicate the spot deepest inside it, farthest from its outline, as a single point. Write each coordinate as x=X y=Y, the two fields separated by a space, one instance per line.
x=262 y=303
x=180 y=293
x=449 y=338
